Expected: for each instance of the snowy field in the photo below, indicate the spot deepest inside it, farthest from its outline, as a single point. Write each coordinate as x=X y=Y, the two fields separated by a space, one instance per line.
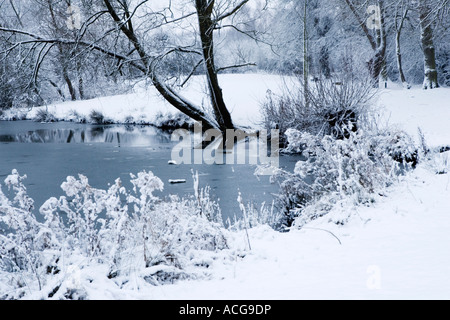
x=428 y=110
x=398 y=248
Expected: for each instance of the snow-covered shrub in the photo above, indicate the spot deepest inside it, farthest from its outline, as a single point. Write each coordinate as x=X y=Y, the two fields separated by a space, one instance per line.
x=206 y=206
x=129 y=120
x=281 y=112
x=173 y=235
x=170 y=122
x=97 y=117
x=22 y=241
x=118 y=226
x=440 y=163
x=253 y=216
x=125 y=233
x=74 y=116
x=355 y=170
x=43 y=115
x=13 y=114
x=398 y=145
x=328 y=107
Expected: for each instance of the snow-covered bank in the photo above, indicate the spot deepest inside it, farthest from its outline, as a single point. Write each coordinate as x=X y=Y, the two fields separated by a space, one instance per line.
x=243 y=94
x=409 y=109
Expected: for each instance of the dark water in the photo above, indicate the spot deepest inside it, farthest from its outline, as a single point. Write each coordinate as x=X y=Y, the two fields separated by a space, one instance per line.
x=48 y=153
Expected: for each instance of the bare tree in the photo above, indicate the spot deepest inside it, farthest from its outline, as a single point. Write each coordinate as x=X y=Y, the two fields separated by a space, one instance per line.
x=64 y=52
x=17 y=82
x=140 y=55
x=206 y=29
x=401 y=14
x=210 y=14
x=146 y=63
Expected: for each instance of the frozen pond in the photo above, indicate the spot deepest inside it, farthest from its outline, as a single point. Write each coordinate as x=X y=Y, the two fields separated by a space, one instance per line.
x=49 y=152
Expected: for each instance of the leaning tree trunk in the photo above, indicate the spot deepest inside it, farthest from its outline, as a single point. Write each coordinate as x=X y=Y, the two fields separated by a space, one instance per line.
x=206 y=28
x=429 y=53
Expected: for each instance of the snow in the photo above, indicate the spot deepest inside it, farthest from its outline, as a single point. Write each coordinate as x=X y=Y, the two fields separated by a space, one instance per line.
x=412 y=109
x=397 y=248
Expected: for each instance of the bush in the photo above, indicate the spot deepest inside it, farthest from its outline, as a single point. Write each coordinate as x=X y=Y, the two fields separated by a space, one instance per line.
x=357 y=169
x=170 y=122
x=74 y=116
x=43 y=115
x=97 y=117
x=124 y=233
x=329 y=106
x=253 y=216
x=21 y=250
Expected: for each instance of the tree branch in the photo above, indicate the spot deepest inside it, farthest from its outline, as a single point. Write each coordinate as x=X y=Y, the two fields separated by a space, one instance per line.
x=362 y=24
x=231 y=12
x=39 y=39
x=192 y=72
x=237 y=66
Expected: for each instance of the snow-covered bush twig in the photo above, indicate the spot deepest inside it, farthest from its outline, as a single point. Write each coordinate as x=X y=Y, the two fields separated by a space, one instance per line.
x=132 y=233
x=21 y=248
x=357 y=169
x=244 y=214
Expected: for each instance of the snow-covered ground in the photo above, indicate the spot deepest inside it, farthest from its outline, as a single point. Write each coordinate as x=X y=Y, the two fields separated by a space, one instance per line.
x=412 y=109
x=398 y=248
